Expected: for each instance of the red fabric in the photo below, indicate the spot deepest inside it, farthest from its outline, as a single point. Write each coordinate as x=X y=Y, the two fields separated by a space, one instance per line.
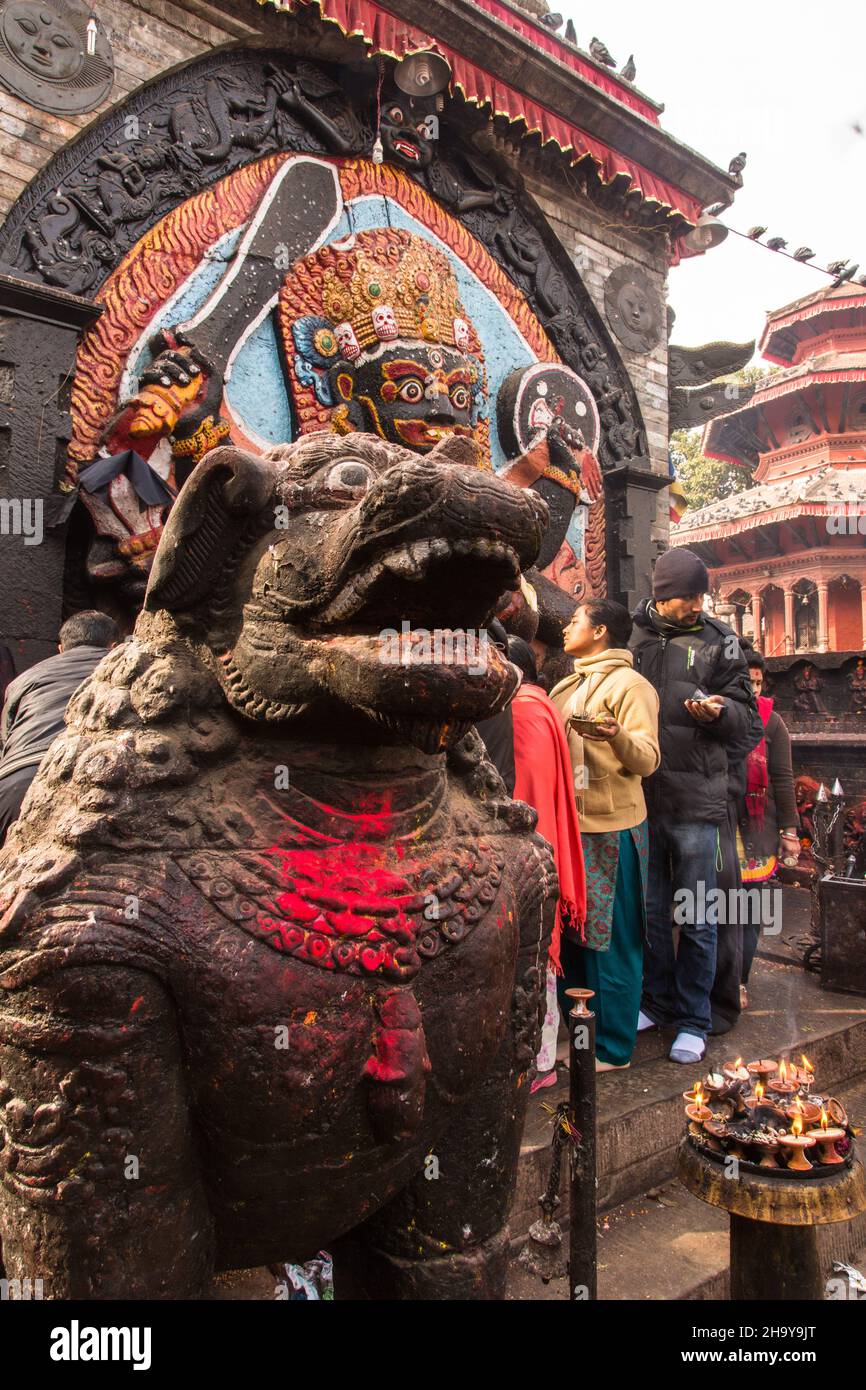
x=394 y=38
x=756 y=769
x=544 y=780
x=541 y=37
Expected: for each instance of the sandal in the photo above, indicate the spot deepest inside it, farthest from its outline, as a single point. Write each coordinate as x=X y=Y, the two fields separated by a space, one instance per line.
x=547 y=1078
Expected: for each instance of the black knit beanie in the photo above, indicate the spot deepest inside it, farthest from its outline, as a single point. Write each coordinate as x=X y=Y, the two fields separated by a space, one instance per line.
x=680 y=573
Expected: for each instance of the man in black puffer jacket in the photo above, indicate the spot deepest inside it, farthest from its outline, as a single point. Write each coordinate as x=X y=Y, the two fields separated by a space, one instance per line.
x=707 y=712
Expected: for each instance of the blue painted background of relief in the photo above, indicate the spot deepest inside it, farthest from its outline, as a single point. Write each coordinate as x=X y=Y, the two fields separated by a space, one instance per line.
x=256 y=391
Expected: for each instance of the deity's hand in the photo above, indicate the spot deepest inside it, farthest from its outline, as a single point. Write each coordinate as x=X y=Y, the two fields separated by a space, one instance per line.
x=166 y=388
x=568 y=452
x=171 y=368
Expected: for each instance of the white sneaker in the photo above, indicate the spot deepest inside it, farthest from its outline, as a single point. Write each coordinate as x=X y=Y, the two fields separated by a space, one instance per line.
x=687 y=1048
x=644 y=1022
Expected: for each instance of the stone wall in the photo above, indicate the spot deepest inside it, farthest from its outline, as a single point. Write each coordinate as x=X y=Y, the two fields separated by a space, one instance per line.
x=148 y=37
x=596 y=250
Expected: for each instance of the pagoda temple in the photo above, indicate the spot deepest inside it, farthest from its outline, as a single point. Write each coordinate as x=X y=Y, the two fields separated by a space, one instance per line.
x=789 y=553
x=787 y=557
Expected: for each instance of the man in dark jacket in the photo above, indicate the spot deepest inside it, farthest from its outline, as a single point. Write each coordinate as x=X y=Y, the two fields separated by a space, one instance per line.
x=706 y=708
x=35 y=705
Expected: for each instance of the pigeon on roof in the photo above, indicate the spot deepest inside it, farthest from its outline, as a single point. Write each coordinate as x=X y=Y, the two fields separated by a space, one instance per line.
x=600 y=53
x=628 y=69
x=738 y=163
x=847 y=274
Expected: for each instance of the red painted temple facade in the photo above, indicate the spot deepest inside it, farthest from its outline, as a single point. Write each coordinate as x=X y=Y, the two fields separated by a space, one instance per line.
x=789 y=554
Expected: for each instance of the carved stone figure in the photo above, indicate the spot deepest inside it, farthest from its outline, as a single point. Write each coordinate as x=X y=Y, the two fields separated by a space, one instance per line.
x=808 y=686
x=857 y=682
x=272 y=932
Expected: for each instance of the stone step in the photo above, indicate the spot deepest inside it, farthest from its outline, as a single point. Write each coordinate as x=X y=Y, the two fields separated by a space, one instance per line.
x=640 y=1111
x=667 y=1245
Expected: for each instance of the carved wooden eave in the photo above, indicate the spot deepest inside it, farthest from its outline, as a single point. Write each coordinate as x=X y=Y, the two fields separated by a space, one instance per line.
x=527 y=62
x=697 y=366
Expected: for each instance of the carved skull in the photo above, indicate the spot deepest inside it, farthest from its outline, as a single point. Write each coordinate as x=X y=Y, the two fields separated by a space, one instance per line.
x=347 y=342
x=385 y=323
x=461 y=335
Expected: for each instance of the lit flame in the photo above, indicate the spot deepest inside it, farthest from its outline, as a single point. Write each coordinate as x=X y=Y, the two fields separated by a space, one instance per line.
x=823 y=1118
x=798 y=1105
x=797 y=1125
x=783 y=1070
x=759 y=1092
x=699 y=1095
x=739 y=1062
x=806 y=1063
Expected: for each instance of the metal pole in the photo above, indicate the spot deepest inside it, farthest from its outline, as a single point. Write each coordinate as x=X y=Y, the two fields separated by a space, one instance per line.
x=582 y=1234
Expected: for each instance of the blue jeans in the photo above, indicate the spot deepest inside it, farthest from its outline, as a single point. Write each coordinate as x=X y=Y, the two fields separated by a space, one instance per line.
x=676 y=990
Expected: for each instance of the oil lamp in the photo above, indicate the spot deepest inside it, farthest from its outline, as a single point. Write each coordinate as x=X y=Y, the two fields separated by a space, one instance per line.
x=809 y=1112
x=698 y=1114
x=806 y=1073
x=782 y=1084
x=761 y=1071
x=825 y=1137
x=795 y=1145
x=735 y=1071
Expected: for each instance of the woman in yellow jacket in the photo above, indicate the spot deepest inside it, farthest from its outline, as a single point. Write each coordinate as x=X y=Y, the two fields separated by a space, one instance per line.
x=611 y=717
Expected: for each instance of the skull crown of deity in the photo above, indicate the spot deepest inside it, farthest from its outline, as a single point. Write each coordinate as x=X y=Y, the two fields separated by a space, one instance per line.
x=389 y=347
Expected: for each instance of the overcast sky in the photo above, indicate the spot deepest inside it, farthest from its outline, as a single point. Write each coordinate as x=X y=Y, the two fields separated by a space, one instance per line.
x=785 y=82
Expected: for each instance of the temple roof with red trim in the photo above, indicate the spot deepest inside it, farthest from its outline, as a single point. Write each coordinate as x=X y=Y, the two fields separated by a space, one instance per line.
x=540 y=84
x=789 y=331
x=821 y=340
x=804 y=427
x=815 y=494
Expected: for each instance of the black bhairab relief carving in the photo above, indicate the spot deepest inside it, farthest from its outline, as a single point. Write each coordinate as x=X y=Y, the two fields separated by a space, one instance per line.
x=44 y=58
x=187 y=130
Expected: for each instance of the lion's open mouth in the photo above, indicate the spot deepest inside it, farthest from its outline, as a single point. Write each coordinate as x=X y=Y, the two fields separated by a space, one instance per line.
x=383 y=606
x=428 y=583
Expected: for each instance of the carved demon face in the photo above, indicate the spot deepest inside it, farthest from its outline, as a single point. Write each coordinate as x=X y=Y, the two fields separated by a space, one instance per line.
x=414 y=395
x=349 y=574
x=408 y=127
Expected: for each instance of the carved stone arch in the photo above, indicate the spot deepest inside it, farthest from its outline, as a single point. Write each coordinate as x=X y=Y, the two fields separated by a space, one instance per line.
x=192 y=126
x=181 y=132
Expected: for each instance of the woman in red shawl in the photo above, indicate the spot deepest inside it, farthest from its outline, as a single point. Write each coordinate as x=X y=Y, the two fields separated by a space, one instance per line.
x=544 y=780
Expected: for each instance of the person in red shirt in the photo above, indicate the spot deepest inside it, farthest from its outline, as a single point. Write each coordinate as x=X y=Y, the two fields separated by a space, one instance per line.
x=544 y=780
